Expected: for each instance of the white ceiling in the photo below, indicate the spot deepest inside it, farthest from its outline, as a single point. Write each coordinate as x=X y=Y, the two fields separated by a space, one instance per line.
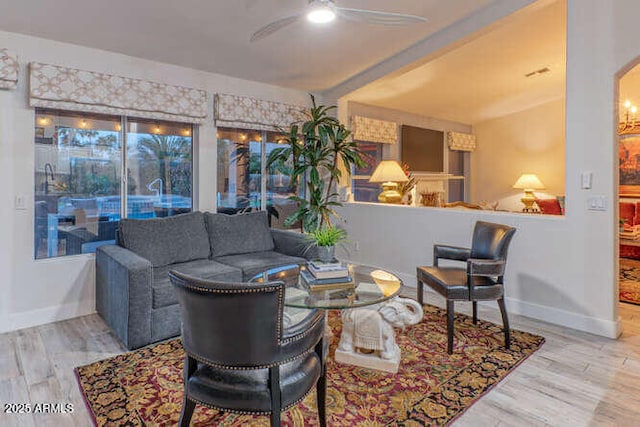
x=484 y=78
x=213 y=35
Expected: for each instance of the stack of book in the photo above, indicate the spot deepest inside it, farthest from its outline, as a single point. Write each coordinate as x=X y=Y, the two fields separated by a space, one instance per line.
x=326 y=275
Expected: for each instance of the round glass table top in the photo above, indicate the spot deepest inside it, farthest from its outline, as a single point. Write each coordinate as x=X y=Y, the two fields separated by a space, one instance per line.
x=365 y=286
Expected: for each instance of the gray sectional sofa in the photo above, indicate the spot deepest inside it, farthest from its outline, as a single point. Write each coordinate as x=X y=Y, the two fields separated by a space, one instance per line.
x=133 y=293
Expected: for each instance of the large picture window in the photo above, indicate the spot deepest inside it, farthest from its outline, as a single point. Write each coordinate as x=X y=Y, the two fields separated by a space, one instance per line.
x=244 y=183
x=79 y=164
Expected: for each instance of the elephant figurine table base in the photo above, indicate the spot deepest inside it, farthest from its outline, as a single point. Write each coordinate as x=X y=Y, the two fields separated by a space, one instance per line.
x=368 y=339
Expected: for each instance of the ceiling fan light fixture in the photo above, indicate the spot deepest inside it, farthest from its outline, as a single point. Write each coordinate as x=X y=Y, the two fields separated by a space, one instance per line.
x=321 y=14
x=325 y=11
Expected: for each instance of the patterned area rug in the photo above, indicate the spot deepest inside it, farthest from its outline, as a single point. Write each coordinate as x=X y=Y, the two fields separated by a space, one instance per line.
x=629 y=281
x=144 y=387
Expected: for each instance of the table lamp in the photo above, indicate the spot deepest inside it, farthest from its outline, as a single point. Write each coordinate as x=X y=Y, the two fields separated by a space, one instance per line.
x=389 y=173
x=528 y=182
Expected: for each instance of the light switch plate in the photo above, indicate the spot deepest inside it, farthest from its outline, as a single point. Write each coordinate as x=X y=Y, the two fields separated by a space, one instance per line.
x=597 y=203
x=20 y=202
x=585 y=180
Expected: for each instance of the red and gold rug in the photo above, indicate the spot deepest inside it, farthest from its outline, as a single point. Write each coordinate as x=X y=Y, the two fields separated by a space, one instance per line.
x=144 y=387
x=629 y=283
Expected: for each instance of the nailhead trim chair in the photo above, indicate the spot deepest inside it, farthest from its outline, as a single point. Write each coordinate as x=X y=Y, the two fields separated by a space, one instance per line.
x=482 y=279
x=239 y=356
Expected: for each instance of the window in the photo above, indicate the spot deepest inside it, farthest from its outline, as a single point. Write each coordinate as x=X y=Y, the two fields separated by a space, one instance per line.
x=244 y=184
x=79 y=163
x=159 y=164
x=459 y=162
x=455 y=188
x=363 y=190
x=239 y=166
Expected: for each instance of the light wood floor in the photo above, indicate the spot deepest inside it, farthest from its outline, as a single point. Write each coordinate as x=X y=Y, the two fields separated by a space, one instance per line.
x=576 y=379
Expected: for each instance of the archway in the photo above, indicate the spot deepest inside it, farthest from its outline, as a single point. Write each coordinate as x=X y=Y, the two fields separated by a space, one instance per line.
x=627 y=111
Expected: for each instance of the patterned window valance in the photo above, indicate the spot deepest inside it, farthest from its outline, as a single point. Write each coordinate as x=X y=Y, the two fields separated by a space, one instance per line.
x=244 y=112
x=461 y=141
x=373 y=130
x=63 y=88
x=8 y=69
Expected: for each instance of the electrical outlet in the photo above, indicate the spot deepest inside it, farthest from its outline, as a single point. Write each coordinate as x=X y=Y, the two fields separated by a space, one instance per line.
x=356 y=246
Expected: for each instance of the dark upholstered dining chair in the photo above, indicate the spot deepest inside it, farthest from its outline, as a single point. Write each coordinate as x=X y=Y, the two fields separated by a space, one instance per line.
x=239 y=356
x=482 y=278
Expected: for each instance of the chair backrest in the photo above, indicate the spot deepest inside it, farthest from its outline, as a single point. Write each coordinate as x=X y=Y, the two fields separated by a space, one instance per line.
x=230 y=324
x=491 y=241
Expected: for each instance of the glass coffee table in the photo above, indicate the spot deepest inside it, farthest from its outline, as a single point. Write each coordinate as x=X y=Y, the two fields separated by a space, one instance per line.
x=370 y=308
x=372 y=285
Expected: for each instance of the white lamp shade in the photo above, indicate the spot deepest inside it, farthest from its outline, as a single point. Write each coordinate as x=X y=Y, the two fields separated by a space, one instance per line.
x=388 y=170
x=528 y=181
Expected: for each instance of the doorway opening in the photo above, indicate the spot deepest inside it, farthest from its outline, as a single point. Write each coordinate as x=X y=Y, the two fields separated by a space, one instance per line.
x=628 y=137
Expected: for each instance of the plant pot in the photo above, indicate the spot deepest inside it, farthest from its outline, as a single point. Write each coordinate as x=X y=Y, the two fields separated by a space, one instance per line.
x=325 y=253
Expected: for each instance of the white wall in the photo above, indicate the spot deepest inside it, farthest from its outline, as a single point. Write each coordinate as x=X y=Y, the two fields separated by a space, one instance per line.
x=544 y=279
x=35 y=292
x=529 y=141
x=562 y=270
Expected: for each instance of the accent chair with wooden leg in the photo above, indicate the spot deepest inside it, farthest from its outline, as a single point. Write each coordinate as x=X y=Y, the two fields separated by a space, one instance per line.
x=481 y=279
x=240 y=356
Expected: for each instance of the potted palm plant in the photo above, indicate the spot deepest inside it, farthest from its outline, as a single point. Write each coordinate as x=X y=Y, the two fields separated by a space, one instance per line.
x=319 y=149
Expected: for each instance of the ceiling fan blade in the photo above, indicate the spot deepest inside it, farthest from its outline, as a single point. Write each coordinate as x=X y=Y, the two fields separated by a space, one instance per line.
x=273 y=27
x=378 y=18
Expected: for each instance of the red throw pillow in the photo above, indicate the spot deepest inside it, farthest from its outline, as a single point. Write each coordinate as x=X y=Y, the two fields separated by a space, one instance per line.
x=549 y=206
x=636 y=217
x=628 y=212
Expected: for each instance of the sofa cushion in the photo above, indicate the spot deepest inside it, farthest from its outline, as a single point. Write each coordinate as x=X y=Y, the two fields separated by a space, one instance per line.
x=238 y=234
x=628 y=212
x=257 y=262
x=163 y=293
x=165 y=241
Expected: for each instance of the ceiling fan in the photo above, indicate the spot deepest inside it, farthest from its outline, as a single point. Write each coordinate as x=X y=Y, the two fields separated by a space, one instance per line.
x=324 y=11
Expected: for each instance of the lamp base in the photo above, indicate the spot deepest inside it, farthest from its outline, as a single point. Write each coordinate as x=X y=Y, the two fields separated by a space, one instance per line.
x=528 y=200
x=390 y=193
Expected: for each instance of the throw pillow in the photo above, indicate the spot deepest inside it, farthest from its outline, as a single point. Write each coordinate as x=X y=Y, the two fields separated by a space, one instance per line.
x=168 y=240
x=238 y=234
x=628 y=212
x=636 y=216
x=549 y=206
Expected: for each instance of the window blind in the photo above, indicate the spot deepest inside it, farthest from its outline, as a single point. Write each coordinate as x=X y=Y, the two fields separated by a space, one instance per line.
x=374 y=130
x=250 y=113
x=8 y=69
x=52 y=86
x=461 y=141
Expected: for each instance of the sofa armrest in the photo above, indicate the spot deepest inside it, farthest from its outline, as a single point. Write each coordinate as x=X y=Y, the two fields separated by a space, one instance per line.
x=124 y=294
x=293 y=243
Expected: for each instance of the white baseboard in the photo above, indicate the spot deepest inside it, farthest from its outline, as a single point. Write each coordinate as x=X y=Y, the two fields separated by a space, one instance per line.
x=28 y=319
x=581 y=322
x=593 y=325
